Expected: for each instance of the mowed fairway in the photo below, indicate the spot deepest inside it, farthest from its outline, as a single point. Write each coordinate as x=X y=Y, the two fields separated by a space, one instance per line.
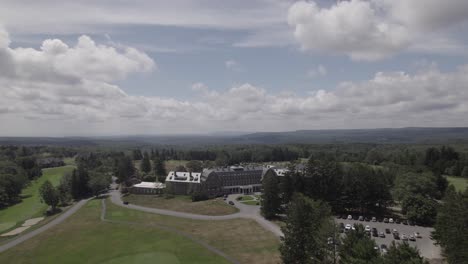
x=31 y=205
x=183 y=204
x=84 y=238
x=459 y=183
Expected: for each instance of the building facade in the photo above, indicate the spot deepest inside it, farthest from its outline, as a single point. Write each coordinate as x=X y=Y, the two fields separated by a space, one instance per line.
x=219 y=181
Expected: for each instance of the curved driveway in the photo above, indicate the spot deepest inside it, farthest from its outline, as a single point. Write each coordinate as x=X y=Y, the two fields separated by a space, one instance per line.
x=246 y=211
x=43 y=228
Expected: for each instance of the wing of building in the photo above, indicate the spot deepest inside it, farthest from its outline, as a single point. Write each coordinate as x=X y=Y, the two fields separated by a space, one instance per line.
x=220 y=181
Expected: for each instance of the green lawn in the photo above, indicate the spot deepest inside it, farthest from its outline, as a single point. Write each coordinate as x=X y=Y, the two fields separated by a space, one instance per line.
x=183 y=203
x=245 y=198
x=251 y=202
x=459 y=183
x=84 y=238
x=30 y=206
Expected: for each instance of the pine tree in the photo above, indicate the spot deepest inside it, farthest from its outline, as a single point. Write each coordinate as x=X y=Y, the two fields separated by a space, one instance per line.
x=304 y=238
x=271 y=201
x=145 y=163
x=464 y=173
x=159 y=170
x=450 y=228
x=403 y=254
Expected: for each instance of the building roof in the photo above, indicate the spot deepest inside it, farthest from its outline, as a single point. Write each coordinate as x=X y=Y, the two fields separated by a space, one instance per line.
x=180 y=176
x=150 y=185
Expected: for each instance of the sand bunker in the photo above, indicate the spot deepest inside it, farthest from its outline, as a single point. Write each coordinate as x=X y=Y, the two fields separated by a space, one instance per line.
x=32 y=221
x=16 y=231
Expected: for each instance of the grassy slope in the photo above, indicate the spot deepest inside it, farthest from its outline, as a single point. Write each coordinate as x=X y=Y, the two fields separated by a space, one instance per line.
x=84 y=238
x=183 y=204
x=31 y=205
x=242 y=239
x=459 y=183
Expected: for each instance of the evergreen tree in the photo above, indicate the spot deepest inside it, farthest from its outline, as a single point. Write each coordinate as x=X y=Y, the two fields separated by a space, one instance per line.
x=287 y=187
x=145 y=163
x=358 y=248
x=49 y=195
x=304 y=238
x=464 y=172
x=451 y=225
x=271 y=201
x=403 y=254
x=160 y=170
x=98 y=182
x=125 y=169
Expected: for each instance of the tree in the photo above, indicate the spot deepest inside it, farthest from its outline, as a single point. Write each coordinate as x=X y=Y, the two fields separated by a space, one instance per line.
x=464 y=172
x=304 y=239
x=145 y=163
x=403 y=254
x=419 y=209
x=160 y=170
x=136 y=154
x=194 y=166
x=450 y=227
x=124 y=169
x=79 y=183
x=323 y=179
x=271 y=201
x=287 y=187
x=357 y=247
x=98 y=182
x=49 y=195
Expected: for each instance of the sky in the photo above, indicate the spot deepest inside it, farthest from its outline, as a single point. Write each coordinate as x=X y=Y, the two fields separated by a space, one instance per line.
x=147 y=67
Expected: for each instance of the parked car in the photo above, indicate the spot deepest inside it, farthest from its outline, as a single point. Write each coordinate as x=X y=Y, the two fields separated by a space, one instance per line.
x=125 y=202
x=382 y=234
x=348 y=227
x=361 y=218
x=385 y=220
x=417 y=234
x=338 y=217
x=404 y=237
x=411 y=223
x=405 y=222
x=374 y=219
x=341 y=225
x=350 y=217
x=412 y=238
x=367 y=228
x=354 y=227
x=330 y=241
x=387 y=231
x=375 y=233
x=396 y=235
x=231 y=202
x=397 y=221
x=366 y=219
x=390 y=220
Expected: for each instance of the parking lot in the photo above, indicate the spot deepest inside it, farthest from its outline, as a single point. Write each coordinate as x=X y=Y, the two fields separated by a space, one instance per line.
x=425 y=244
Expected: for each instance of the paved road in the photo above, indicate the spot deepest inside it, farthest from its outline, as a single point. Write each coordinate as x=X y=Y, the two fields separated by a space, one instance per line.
x=246 y=211
x=424 y=244
x=45 y=227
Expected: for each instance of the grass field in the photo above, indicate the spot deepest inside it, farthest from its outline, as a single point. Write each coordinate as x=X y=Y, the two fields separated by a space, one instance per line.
x=459 y=183
x=245 y=198
x=183 y=204
x=30 y=206
x=242 y=239
x=251 y=202
x=84 y=238
x=170 y=165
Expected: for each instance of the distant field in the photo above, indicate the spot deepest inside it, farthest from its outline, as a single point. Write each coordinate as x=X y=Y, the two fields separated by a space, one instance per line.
x=31 y=205
x=84 y=238
x=69 y=161
x=459 y=183
x=183 y=204
x=172 y=164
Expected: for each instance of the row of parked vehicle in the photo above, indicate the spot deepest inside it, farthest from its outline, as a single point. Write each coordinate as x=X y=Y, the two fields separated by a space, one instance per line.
x=375 y=219
x=375 y=233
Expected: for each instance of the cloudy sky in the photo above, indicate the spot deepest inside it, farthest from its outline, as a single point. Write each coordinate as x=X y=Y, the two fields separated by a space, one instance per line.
x=116 y=67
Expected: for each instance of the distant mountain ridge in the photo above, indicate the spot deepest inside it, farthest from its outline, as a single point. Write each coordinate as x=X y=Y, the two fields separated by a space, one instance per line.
x=378 y=135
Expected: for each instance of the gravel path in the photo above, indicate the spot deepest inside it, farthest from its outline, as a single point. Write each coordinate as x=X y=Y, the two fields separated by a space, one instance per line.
x=45 y=227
